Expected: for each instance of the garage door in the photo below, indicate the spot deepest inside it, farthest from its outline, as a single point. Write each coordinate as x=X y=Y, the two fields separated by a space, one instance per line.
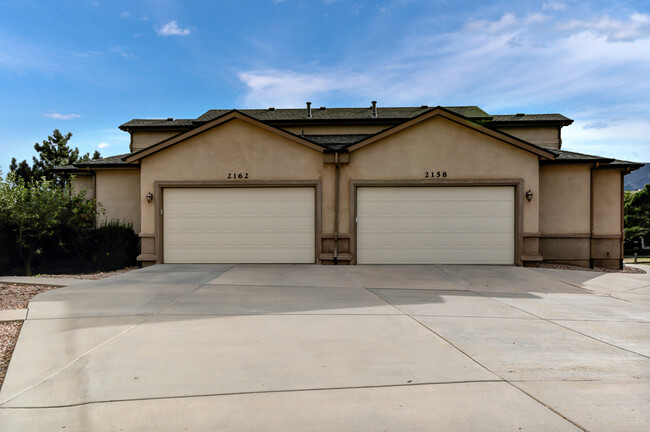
x=239 y=225
x=438 y=225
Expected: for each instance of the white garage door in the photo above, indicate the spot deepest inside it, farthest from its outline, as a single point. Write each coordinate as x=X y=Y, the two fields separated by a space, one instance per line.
x=435 y=225
x=239 y=225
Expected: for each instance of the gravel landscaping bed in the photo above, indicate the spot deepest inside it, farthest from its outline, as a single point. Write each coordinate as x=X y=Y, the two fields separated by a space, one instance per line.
x=626 y=269
x=18 y=296
x=8 y=336
x=89 y=276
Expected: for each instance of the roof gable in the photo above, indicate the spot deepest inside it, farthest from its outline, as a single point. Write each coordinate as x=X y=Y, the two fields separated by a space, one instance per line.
x=456 y=118
x=224 y=118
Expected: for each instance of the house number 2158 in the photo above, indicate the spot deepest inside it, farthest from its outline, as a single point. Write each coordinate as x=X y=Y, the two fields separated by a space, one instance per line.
x=435 y=174
x=237 y=176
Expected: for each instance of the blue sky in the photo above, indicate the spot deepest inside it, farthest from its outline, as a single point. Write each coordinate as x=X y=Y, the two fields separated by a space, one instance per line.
x=88 y=66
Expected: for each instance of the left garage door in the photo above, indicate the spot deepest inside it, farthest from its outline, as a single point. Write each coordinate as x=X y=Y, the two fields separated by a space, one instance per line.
x=239 y=225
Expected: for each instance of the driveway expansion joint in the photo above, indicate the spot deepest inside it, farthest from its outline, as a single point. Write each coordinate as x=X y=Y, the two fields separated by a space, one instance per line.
x=301 y=390
x=551 y=321
x=501 y=379
x=95 y=348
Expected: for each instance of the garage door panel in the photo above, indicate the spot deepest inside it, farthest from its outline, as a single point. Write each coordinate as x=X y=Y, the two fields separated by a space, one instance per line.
x=435 y=225
x=239 y=225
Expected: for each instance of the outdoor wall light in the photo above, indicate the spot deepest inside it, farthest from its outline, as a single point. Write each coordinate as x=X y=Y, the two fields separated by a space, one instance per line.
x=149 y=197
x=529 y=195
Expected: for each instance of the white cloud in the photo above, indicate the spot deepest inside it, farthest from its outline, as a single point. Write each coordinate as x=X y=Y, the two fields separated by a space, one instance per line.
x=125 y=14
x=507 y=65
x=636 y=27
x=284 y=88
x=554 y=5
x=58 y=116
x=171 y=29
x=103 y=145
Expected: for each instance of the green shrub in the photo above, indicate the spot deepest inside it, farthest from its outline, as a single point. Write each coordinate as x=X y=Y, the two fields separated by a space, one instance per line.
x=115 y=245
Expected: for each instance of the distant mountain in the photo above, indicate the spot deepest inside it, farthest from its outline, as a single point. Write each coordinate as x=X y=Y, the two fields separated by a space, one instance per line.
x=637 y=179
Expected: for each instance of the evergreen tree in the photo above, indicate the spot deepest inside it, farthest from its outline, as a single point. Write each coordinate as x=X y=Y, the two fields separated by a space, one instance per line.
x=53 y=152
x=637 y=213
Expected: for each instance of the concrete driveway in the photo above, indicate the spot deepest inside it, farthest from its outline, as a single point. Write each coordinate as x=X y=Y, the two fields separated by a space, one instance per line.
x=313 y=348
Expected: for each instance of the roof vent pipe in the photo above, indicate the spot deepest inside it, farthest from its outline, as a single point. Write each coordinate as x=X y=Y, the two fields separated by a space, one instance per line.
x=308 y=109
x=374 y=108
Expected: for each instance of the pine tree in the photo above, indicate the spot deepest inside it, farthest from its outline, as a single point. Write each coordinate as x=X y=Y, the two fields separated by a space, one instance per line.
x=53 y=152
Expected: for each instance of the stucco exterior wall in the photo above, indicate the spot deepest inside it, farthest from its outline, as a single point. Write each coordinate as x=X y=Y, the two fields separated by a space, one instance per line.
x=567 y=235
x=145 y=138
x=545 y=136
x=118 y=191
x=236 y=146
x=565 y=199
x=438 y=144
x=84 y=182
x=607 y=201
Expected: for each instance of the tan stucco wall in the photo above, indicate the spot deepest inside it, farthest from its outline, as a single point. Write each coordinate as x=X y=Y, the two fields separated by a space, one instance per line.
x=84 y=182
x=607 y=201
x=438 y=144
x=144 y=139
x=118 y=191
x=545 y=136
x=336 y=129
x=237 y=146
x=564 y=198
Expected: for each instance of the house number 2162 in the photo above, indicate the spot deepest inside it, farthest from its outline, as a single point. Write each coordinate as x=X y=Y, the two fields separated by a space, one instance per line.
x=435 y=174
x=237 y=176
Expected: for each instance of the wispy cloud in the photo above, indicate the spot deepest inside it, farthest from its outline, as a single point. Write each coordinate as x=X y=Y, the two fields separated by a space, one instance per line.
x=171 y=28
x=505 y=65
x=125 y=14
x=636 y=27
x=103 y=145
x=554 y=5
x=59 y=116
x=119 y=51
x=597 y=125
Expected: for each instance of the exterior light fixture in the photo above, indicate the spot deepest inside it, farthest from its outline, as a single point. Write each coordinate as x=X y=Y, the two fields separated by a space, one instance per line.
x=529 y=195
x=149 y=197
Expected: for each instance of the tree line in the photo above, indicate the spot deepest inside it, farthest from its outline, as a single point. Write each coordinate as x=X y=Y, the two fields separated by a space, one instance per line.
x=44 y=220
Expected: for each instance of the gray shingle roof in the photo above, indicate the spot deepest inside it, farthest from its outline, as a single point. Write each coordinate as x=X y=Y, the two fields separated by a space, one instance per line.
x=318 y=114
x=564 y=156
x=116 y=160
x=530 y=118
x=569 y=156
x=336 y=142
x=386 y=114
x=158 y=124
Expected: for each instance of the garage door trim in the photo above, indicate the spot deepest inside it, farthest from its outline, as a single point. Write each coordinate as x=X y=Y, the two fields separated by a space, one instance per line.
x=162 y=184
x=518 y=185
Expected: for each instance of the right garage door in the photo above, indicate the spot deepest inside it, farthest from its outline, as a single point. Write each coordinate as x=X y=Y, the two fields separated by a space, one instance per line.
x=436 y=225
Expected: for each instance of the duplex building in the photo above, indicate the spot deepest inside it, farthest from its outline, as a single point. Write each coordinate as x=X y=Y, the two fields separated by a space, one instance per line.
x=408 y=185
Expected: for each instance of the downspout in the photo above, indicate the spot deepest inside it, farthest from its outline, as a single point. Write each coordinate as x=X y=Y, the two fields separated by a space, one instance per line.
x=591 y=214
x=623 y=173
x=337 y=174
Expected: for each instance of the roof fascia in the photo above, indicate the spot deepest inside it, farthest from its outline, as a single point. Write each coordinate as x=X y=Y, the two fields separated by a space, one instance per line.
x=456 y=118
x=231 y=115
x=526 y=123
